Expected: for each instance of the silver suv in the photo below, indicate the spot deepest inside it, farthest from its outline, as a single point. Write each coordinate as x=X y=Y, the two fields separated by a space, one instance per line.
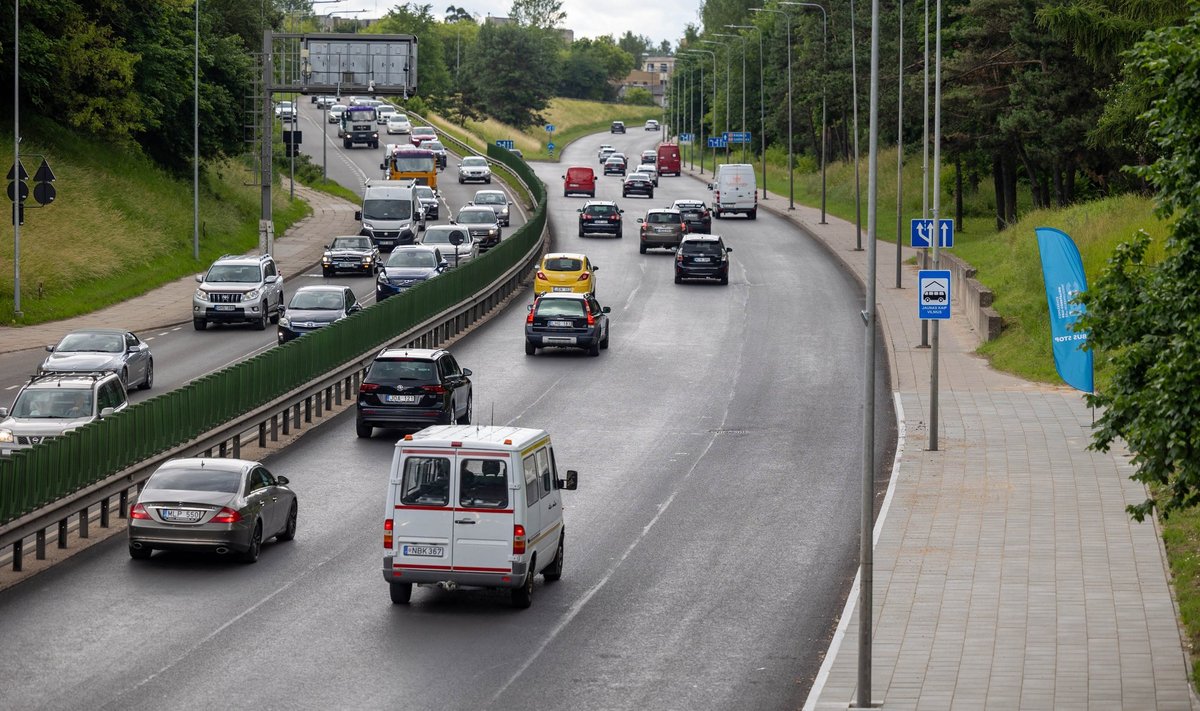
x=239 y=289
x=54 y=403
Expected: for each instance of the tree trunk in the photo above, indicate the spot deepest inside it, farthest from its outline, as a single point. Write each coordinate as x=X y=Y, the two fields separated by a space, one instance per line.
x=958 y=195
x=1060 y=195
x=1031 y=171
x=1010 y=190
x=998 y=186
x=1070 y=183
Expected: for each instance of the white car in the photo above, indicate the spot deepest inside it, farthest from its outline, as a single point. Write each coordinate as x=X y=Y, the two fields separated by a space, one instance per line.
x=398 y=123
x=652 y=125
x=284 y=108
x=335 y=112
x=606 y=149
x=649 y=169
x=384 y=111
x=474 y=168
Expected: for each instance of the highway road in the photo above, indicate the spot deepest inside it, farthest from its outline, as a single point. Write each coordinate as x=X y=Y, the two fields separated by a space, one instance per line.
x=182 y=354
x=709 y=547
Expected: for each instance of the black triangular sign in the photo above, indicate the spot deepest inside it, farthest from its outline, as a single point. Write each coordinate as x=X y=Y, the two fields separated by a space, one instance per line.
x=44 y=174
x=24 y=175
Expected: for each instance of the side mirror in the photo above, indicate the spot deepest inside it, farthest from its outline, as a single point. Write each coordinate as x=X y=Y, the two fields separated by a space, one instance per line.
x=133 y=349
x=282 y=480
x=106 y=412
x=358 y=215
x=621 y=211
x=443 y=264
x=3 y=412
x=606 y=309
x=200 y=278
x=579 y=210
x=466 y=372
x=49 y=349
x=729 y=249
x=563 y=177
x=354 y=308
x=641 y=221
x=710 y=186
x=529 y=307
x=383 y=166
x=595 y=268
x=572 y=482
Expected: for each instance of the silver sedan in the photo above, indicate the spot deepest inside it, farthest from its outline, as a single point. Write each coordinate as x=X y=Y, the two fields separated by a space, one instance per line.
x=228 y=506
x=103 y=350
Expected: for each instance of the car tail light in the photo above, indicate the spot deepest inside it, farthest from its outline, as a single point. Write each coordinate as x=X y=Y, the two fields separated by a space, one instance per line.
x=583 y=277
x=387 y=534
x=541 y=275
x=679 y=257
x=704 y=213
x=717 y=196
x=529 y=318
x=139 y=512
x=591 y=318
x=617 y=217
x=435 y=389
x=226 y=515
x=368 y=387
x=518 y=539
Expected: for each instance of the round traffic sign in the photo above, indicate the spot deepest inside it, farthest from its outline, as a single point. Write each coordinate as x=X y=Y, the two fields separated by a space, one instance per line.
x=44 y=193
x=456 y=238
x=550 y=146
x=13 y=187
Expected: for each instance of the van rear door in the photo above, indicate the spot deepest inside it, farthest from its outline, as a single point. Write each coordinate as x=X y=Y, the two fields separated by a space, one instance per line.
x=424 y=516
x=483 y=513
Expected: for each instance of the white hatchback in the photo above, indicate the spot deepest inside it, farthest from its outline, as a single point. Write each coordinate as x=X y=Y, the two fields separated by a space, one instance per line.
x=398 y=123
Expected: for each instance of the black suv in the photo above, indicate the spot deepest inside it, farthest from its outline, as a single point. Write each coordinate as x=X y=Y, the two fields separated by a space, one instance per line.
x=617 y=127
x=410 y=388
x=695 y=214
x=702 y=257
x=600 y=216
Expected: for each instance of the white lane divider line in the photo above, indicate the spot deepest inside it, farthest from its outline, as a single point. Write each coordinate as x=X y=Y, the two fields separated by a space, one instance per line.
x=12 y=387
x=166 y=333
x=149 y=338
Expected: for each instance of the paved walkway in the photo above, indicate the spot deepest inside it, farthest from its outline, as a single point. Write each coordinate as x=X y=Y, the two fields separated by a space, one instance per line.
x=296 y=251
x=1007 y=573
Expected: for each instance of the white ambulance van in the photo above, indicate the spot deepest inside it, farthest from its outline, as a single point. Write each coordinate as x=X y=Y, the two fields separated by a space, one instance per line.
x=734 y=190
x=474 y=507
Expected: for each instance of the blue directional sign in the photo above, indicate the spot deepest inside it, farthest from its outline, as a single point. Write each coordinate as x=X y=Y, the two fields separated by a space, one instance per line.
x=505 y=143
x=933 y=296
x=717 y=142
x=550 y=146
x=549 y=128
x=738 y=136
x=686 y=138
x=921 y=232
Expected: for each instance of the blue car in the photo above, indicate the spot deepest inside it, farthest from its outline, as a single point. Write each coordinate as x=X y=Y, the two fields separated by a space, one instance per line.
x=406 y=267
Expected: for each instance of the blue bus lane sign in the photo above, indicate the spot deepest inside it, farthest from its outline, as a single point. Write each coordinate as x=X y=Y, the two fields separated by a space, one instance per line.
x=933 y=296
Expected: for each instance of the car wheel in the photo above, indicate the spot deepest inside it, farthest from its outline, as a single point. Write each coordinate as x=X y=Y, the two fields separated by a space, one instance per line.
x=581 y=232
x=642 y=248
x=363 y=431
x=717 y=214
x=594 y=349
x=125 y=377
x=678 y=279
x=326 y=273
x=754 y=214
x=522 y=597
x=724 y=278
x=465 y=419
x=461 y=181
x=149 y=381
x=345 y=144
x=566 y=194
x=199 y=324
x=620 y=234
x=261 y=323
x=401 y=593
x=488 y=181
x=140 y=553
x=289 y=529
x=530 y=349
x=553 y=572
x=278 y=310
x=604 y=343
x=251 y=554
x=651 y=196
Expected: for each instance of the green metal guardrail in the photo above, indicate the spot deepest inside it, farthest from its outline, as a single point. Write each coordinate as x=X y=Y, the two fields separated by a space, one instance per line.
x=45 y=473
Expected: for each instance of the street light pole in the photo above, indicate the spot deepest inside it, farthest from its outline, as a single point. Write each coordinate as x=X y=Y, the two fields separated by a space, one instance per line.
x=791 y=167
x=900 y=149
x=762 y=103
x=857 y=171
x=743 y=127
x=16 y=207
x=937 y=213
x=824 y=87
x=727 y=101
x=714 y=89
x=196 y=138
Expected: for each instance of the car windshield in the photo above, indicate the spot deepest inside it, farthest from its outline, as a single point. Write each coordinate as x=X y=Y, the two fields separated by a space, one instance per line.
x=476 y=217
x=56 y=403
x=243 y=273
x=425 y=192
x=196 y=479
x=662 y=218
x=433 y=145
x=563 y=264
x=338 y=107
x=638 y=176
x=424 y=132
x=474 y=162
x=560 y=307
x=386 y=110
x=403 y=162
x=352 y=243
x=490 y=199
x=647 y=169
x=361 y=113
x=318 y=300
x=393 y=370
x=387 y=209
x=689 y=206
x=91 y=342
x=601 y=209
x=704 y=247
x=412 y=258
x=442 y=236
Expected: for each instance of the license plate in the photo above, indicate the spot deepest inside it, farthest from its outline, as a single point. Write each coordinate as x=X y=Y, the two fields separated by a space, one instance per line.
x=386 y=242
x=425 y=551
x=703 y=260
x=400 y=399
x=560 y=324
x=562 y=288
x=601 y=222
x=224 y=307
x=347 y=264
x=180 y=515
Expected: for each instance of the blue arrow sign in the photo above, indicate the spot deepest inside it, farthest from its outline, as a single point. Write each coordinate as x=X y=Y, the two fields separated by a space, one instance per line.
x=550 y=146
x=921 y=233
x=933 y=296
x=505 y=143
x=717 y=142
x=549 y=128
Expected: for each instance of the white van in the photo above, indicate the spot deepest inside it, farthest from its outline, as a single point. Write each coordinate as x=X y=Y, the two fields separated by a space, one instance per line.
x=390 y=215
x=735 y=190
x=474 y=507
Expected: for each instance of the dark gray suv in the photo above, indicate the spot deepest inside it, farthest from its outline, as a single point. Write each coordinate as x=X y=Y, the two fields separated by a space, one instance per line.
x=411 y=388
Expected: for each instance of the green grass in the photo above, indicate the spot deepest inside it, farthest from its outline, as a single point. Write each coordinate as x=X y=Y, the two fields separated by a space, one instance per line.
x=477 y=143
x=1181 y=537
x=121 y=226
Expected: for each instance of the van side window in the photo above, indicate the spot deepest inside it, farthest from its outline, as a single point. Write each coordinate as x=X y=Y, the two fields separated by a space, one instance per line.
x=543 y=462
x=529 y=464
x=483 y=484
x=426 y=481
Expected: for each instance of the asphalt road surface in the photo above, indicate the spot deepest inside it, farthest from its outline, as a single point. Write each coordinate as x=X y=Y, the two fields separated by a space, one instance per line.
x=709 y=547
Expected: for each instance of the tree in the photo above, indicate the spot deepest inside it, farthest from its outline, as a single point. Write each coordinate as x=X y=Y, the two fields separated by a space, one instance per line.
x=540 y=14
x=591 y=66
x=639 y=96
x=1145 y=318
x=458 y=14
x=498 y=68
x=638 y=46
x=664 y=48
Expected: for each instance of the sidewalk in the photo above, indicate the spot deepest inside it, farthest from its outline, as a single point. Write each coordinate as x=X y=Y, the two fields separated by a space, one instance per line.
x=1007 y=573
x=295 y=252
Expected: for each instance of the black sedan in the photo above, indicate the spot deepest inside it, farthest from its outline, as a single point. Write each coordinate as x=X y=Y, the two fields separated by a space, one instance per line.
x=560 y=320
x=614 y=166
x=227 y=506
x=314 y=307
x=429 y=200
x=408 y=266
x=638 y=184
x=354 y=254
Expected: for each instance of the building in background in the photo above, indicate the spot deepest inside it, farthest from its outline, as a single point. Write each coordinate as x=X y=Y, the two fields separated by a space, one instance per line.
x=653 y=74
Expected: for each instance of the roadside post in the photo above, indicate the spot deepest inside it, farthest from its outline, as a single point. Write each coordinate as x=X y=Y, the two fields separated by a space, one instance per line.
x=550 y=139
x=18 y=192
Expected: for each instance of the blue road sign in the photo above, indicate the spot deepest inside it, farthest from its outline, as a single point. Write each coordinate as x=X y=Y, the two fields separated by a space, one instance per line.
x=717 y=142
x=738 y=136
x=686 y=138
x=933 y=296
x=921 y=233
x=550 y=146
x=549 y=128
x=505 y=143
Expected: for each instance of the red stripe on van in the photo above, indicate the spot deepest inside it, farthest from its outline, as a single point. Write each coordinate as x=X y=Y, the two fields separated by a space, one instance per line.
x=444 y=452
x=424 y=508
x=454 y=510
x=421 y=567
x=483 y=570
x=457 y=567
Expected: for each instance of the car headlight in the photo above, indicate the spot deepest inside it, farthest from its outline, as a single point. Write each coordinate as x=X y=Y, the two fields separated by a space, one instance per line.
x=382 y=278
x=251 y=295
x=6 y=436
x=201 y=294
x=493 y=231
x=285 y=321
x=368 y=260
x=326 y=260
x=368 y=226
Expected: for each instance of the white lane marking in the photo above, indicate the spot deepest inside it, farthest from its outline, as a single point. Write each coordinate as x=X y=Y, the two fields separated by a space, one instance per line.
x=835 y=644
x=632 y=294
x=176 y=329
x=543 y=396
x=239 y=359
x=149 y=338
x=166 y=333
x=12 y=387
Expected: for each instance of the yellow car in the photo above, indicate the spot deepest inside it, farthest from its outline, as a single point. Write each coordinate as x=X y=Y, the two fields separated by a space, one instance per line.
x=565 y=272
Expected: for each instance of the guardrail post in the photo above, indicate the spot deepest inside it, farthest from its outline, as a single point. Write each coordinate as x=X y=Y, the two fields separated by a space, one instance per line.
x=62 y=533
x=18 y=554
x=208 y=453
x=83 y=523
x=307 y=410
x=222 y=450
x=275 y=426
x=296 y=416
x=318 y=398
x=262 y=433
x=123 y=504
x=40 y=544
x=237 y=446
x=104 y=512
x=328 y=398
x=337 y=393
x=287 y=421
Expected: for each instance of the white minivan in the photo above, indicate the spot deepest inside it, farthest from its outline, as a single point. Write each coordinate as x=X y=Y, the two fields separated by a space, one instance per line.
x=474 y=507
x=735 y=190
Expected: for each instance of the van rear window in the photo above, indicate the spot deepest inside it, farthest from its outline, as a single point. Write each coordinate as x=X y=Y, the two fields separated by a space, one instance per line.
x=483 y=484
x=426 y=481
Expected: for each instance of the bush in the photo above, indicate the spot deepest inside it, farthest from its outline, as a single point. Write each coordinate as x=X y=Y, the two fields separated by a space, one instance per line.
x=639 y=97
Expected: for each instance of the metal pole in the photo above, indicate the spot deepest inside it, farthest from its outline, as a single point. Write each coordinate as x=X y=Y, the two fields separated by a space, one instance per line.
x=196 y=139
x=937 y=211
x=866 y=540
x=294 y=122
x=728 y=100
x=702 y=145
x=824 y=125
x=762 y=110
x=268 y=126
x=857 y=172
x=743 y=127
x=16 y=210
x=925 y=157
x=900 y=152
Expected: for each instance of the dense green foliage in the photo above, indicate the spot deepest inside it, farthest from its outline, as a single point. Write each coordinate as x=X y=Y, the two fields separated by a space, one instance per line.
x=499 y=69
x=1145 y=316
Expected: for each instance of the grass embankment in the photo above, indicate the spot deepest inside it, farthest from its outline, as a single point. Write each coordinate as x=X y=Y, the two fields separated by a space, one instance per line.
x=121 y=226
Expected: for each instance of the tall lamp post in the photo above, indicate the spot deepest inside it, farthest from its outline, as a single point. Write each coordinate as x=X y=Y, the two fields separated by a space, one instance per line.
x=743 y=126
x=791 y=168
x=762 y=102
x=824 y=83
x=695 y=52
x=196 y=137
x=728 y=100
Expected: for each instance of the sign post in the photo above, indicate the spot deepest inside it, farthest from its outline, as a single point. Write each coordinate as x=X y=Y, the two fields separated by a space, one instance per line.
x=505 y=143
x=550 y=139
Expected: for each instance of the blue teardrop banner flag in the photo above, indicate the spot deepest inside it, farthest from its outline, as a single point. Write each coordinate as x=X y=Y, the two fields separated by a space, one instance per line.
x=1062 y=270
